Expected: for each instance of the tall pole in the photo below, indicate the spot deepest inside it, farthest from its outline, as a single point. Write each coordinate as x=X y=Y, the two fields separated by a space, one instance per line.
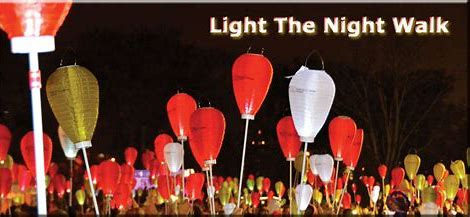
x=303 y=171
x=343 y=191
x=35 y=87
x=336 y=182
x=240 y=182
x=71 y=182
x=90 y=181
x=290 y=186
x=182 y=173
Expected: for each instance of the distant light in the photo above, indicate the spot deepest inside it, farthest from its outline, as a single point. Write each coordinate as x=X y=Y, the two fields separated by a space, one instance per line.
x=113 y=159
x=259 y=132
x=252 y=142
x=262 y=142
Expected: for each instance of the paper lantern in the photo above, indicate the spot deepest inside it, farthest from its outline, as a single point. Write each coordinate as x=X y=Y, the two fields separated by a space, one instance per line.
x=194 y=184
x=179 y=109
x=80 y=196
x=288 y=138
x=67 y=145
x=147 y=158
x=375 y=193
x=174 y=153
x=280 y=189
x=27 y=150
x=24 y=177
x=207 y=127
x=428 y=209
x=5 y=182
x=159 y=144
x=251 y=78
x=121 y=196
x=7 y=163
x=429 y=195
x=412 y=162
x=59 y=184
x=341 y=131
x=109 y=175
x=451 y=185
x=317 y=196
x=228 y=208
x=358 y=198
x=439 y=171
x=299 y=160
x=382 y=169
x=458 y=168
x=127 y=174
x=73 y=93
x=164 y=183
x=419 y=182
x=31 y=26
x=130 y=154
x=430 y=179
x=398 y=174
x=255 y=199
x=351 y=155
x=259 y=183
x=53 y=169
x=266 y=184
x=346 y=202
x=5 y=140
x=324 y=164
x=250 y=184
x=311 y=94
x=303 y=195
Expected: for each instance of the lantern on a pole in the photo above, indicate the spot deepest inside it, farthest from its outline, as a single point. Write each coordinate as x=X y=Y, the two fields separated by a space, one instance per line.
x=73 y=94
x=251 y=78
x=31 y=27
x=5 y=140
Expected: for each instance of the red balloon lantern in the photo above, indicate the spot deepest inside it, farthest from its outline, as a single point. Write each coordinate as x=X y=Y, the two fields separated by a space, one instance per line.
x=121 y=196
x=5 y=182
x=194 y=184
x=371 y=181
x=59 y=184
x=5 y=140
x=159 y=145
x=288 y=138
x=310 y=178
x=27 y=150
x=164 y=184
x=207 y=127
x=430 y=179
x=251 y=78
x=358 y=198
x=255 y=199
x=351 y=156
x=127 y=173
x=266 y=184
x=354 y=188
x=270 y=195
x=31 y=26
x=130 y=154
x=346 y=200
x=382 y=171
x=53 y=169
x=341 y=131
x=398 y=174
x=24 y=177
x=109 y=175
x=179 y=109
x=147 y=158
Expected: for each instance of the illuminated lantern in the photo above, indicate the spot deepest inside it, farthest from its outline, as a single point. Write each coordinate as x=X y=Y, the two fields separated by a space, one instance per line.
x=458 y=168
x=358 y=199
x=127 y=173
x=27 y=150
x=24 y=177
x=164 y=183
x=250 y=183
x=224 y=195
x=375 y=193
x=255 y=199
x=429 y=195
x=80 y=196
x=270 y=195
x=398 y=174
x=266 y=184
x=382 y=169
x=288 y=138
x=371 y=181
x=317 y=196
x=174 y=153
x=428 y=209
x=179 y=109
x=439 y=171
x=228 y=208
x=341 y=131
x=451 y=185
x=352 y=154
x=324 y=164
x=5 y=182
x=412 y=162
x=130 y=154
x=354 y=187
x=207 y=127
x=194 y=184
x=109 y=175
x=5 y=140
x=147 y=158
x=251 y=78
x=259 y=183
x=419 y=182
x=67 y=145
x=53 y=169
x=159 y=144
x=346 y=201
x=7 y=163
x=59 y=184
x=303 y=194
x=430 y=179
x=280 y=189
x=121 y=196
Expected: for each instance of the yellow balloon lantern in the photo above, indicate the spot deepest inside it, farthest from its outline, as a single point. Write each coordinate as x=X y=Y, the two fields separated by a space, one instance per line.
x=458 y=168
x=80 y=195
x=298 y=162
x=412 y=162
x=419 y=182
x=465 y=181
x=429 y=195
x=317 y=196
x=439 y=170
x=451 y=185
x=387 y=189
x=7 y=163
x=73 y=93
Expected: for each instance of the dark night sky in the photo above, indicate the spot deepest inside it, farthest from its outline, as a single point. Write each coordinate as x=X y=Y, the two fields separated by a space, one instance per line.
x=192 y=22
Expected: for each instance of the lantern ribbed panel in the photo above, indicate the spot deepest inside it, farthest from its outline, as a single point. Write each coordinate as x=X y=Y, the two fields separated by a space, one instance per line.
x=311 y=94
x=397 y=174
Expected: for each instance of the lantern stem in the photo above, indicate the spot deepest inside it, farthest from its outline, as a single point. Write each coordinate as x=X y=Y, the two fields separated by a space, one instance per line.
x=290 y=187
x=71 y=182
x=90 y=181
x=336 y=183
x=35 y=87
x=303 y=170
x=183 y=172
x=240 y=182
x=340 y=202
x=212 y=189
x=208 y=190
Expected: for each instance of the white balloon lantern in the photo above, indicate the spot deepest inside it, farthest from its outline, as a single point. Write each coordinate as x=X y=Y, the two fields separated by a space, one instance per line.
x=324 y=165
x=173 y=154
x=313 y=168
x=375 y=194
x=429 y=208
x=67 y=145
x=303 y=196
x=228 y=208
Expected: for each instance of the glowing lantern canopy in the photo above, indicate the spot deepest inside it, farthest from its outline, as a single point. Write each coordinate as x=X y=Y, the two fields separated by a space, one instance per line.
x=27 y=150
x=313 y=168
x=5 y=182
x=59 y=184
x=109 y=175
x=207 y=127
x=266 y=184
x=311 y=94
x=255 y=199
x=67 y=145
x=324 y=165
x=280 y=189
x=412 y=163
x=351 y=157
x=382 y=169
x=173 y=153
x=458 y=168
x=303 y=194
x=53 y=169
x=194 y=184
x=375 y=193
x=251 y=78
x=398 y=174
x=159 y=144
x=147 y=158
x=439 y=171
x=127 y=174
x=130 y=154
x=451 y=185
x=341 y=131
x=346 y=202
x=80 y=196
x=419 y=182
x=179 y=109
x=164 y=183
x=5 y=140
x=288 y=138
x=24 y=177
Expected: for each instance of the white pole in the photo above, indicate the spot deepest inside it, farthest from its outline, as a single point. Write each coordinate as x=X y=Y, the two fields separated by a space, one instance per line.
x=35 y=87
x=212 y=188
x=71 y=182
x=90 y=181
x=240 y=182
x=336 y=183
x=208 y=190
x=290 y=187
x=345 y=188
x=182 y=174
x=303 y=171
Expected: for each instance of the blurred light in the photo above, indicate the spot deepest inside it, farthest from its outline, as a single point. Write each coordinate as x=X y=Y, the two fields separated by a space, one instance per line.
x=262 y=142
x=259 y=132
x=113 y=160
